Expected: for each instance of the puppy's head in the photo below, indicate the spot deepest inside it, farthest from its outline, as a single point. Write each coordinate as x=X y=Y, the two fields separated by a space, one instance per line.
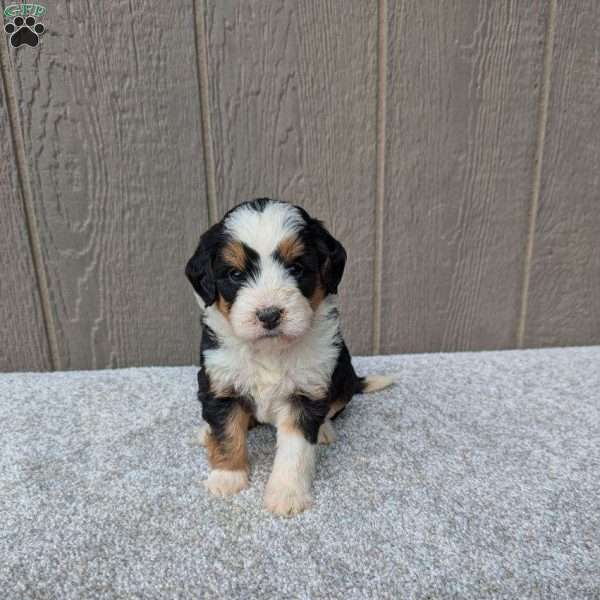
x=267 y=266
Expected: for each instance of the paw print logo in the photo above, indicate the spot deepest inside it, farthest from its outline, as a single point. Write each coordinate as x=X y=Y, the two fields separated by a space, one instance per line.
x=24 y=31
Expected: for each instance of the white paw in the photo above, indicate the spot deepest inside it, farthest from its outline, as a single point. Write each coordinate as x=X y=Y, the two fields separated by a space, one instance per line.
x=226 y=483
x=326 y=433
x=286 y=502
x=203 y=434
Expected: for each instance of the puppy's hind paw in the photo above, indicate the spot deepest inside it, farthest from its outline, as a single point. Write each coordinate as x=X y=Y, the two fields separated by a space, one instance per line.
x=226 y=483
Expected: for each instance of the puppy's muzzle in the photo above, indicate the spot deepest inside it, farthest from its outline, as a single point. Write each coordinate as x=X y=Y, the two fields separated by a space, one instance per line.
x=270 y=317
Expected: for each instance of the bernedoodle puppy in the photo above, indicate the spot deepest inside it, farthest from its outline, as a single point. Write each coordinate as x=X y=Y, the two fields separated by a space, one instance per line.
x=272 y=351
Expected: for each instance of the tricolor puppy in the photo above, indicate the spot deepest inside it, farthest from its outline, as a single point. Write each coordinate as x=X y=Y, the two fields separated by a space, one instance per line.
x=272 y=351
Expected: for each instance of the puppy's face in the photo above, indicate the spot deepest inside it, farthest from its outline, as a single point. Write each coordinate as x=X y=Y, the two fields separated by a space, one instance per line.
x=266 y=267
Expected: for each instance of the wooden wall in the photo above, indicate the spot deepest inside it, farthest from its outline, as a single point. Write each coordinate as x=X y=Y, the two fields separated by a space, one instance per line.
x=453 y=147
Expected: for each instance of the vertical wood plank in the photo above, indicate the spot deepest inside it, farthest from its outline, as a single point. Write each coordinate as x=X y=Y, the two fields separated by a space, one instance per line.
x=462 y=94
x=110 y=113
x=564 y=287
x=293 y=112
x=23 y=343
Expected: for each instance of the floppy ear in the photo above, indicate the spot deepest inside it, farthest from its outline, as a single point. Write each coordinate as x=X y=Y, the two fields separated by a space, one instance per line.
x=199 y=269
x=332 y=257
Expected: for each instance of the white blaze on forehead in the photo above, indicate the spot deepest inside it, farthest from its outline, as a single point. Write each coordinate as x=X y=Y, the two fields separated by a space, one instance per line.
x=271 y=284
x=264 y=230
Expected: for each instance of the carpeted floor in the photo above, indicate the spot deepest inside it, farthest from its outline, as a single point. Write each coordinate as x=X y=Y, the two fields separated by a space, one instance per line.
x=477 y=476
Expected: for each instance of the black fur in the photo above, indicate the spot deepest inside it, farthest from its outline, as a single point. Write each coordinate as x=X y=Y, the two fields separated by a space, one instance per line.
x=209 y=341
x=199 y=269
x=344 y=381
x=330 y=253
x=309 y=269
x=210 y=275
x=215 y=410
x=258 y=204
x=344 y=384
x=312 y=413
x=228 y=287
x=323 y=256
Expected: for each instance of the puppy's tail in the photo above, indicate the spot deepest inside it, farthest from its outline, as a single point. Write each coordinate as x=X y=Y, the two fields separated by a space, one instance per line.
x=374 y=383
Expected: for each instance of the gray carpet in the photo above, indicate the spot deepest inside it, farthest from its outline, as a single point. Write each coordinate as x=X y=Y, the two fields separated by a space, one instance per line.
x=477 y=476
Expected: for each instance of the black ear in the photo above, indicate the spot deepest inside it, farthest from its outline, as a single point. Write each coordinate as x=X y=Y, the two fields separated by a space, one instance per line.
x=332 y=257
x=199 y=269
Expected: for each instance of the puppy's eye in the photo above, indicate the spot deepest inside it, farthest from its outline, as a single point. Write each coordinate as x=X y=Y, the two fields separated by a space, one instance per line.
x=296 y=269
x=235 y=275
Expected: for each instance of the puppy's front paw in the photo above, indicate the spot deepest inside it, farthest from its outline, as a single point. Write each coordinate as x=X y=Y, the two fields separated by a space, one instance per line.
x=226 y=483
x=286 y=502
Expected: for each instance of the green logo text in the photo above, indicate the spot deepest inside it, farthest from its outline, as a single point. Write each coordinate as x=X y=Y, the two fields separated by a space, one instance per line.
x=24 y=10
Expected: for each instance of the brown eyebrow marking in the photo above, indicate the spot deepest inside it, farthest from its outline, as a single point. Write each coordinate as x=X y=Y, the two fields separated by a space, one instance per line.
x=290 y=249
x=235 y=255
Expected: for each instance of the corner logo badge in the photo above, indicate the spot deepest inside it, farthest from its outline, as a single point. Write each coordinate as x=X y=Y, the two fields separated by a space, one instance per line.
x=25 y=26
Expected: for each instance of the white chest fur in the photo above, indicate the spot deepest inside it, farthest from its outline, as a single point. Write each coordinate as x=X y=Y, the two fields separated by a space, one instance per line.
x=271 y=372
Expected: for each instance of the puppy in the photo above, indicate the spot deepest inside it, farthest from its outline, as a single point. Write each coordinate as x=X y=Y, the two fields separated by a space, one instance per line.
x=272 y=351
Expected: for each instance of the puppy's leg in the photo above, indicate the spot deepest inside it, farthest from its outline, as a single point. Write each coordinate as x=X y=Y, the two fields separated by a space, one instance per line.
x=205 y=430
x=288 y=491
x=336 y=408
x=289 y=487
x=327 y=433
x=226 y=445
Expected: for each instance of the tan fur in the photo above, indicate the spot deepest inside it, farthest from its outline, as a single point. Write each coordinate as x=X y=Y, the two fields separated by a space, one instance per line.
x=335 y=408
x=290 y=249
x=230 y=454
x=289 y=426
x=374 y=383
x=235 y=255
x=223 y=306
x=327 y=433
x=318 y=295
x=221 y=392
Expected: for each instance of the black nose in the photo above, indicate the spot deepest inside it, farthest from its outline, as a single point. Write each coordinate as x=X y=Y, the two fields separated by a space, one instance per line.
x=269 y=317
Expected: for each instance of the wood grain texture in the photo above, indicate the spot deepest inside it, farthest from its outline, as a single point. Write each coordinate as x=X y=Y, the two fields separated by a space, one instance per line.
x=564 y=288
x=293 y=113
x=23 y=343
x=462 y=96
x=110 y=113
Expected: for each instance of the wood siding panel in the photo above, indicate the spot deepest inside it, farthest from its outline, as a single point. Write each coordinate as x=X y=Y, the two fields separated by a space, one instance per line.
x=293 y=112
x=564 y=289
x=23 y=343
x=462 y=99
x=109 y=109
x=110 y=112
